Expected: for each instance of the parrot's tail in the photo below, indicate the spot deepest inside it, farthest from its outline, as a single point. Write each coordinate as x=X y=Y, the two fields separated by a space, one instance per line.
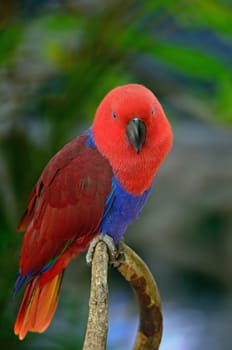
x=38 y=306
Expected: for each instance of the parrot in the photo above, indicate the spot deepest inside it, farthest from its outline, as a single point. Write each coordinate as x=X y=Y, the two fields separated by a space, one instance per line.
x=96 y=185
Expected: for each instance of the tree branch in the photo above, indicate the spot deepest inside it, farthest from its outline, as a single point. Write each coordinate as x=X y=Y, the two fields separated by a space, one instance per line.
x=135 y=271
x=97 y=326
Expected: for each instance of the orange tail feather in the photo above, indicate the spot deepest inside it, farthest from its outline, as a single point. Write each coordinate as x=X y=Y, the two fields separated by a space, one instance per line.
x=38 y=306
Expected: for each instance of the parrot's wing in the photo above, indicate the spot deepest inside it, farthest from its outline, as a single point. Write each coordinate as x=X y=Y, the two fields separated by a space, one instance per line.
x=66 y=205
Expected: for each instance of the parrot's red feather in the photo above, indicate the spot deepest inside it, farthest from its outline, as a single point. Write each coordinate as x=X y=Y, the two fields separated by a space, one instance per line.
x=73 y=250
x=38 y=306
x=64 y=211
x=66 y=205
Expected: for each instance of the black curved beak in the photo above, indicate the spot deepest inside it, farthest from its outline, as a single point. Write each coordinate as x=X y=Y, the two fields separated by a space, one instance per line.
x=136 y=133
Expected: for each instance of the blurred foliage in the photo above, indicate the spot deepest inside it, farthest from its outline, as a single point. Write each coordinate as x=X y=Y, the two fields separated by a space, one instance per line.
x=59 y=58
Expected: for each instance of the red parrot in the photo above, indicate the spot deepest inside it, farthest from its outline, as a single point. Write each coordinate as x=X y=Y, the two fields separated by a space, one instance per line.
x=95 y=185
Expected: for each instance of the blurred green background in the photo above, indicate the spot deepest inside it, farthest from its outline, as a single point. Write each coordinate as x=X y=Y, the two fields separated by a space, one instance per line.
x=57 y=61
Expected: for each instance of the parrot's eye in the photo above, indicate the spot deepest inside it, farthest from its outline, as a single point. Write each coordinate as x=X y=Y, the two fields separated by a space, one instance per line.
x=152 y=110
x=114 y=115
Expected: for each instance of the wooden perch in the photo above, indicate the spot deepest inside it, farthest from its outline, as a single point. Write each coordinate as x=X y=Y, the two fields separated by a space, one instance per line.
x=135 y=271
x=97 y=326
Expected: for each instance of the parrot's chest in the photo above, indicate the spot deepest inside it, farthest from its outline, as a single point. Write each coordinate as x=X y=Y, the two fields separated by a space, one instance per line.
x=121 y=209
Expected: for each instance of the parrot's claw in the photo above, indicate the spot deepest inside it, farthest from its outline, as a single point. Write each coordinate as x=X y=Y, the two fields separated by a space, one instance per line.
x=112 y=248
x=120 y=258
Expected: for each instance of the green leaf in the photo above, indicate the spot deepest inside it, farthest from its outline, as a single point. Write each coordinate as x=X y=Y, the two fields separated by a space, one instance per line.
x=190 y=61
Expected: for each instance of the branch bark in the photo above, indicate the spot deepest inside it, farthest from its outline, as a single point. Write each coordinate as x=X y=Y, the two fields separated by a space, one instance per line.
x=135 y=271
x=97 y=326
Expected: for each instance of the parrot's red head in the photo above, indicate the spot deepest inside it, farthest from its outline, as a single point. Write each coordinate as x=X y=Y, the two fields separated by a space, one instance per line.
x=131 y=130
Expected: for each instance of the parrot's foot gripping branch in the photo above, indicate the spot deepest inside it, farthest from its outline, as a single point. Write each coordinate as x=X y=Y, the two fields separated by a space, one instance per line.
x=115 y=252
